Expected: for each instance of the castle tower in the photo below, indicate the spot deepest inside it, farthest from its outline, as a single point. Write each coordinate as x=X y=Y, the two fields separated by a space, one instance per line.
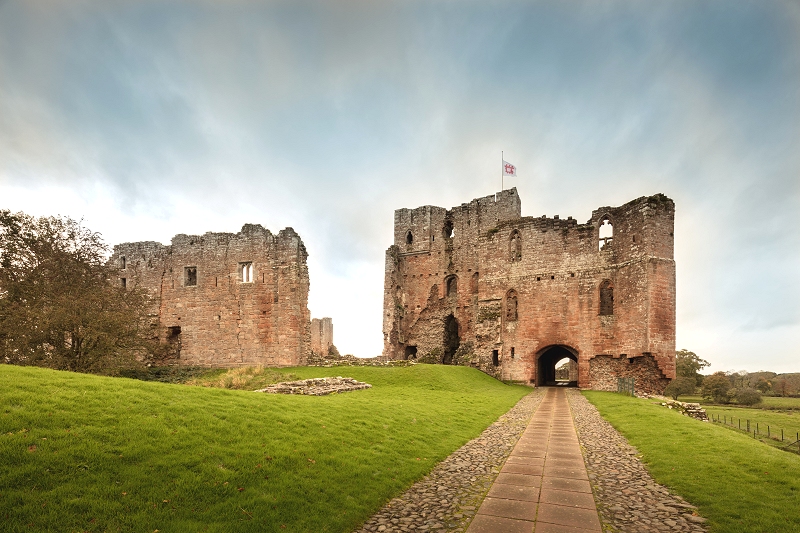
x=481 y=285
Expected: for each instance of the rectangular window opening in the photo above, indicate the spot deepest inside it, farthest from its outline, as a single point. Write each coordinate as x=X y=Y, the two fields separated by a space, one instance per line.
x=190 y=276
x=123 y=282
x=246 y=272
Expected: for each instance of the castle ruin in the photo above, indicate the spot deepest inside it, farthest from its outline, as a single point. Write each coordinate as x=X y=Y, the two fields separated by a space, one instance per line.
x=225 y=299
x=481 y=285
x=321 y=335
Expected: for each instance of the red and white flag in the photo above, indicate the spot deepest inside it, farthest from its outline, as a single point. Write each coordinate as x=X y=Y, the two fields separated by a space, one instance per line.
x=509 y=169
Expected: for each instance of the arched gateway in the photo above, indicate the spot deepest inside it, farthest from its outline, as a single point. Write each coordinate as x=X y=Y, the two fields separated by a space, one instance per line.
x=546 y=360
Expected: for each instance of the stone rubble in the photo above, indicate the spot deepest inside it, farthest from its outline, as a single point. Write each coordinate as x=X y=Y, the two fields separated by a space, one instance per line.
x=685 y=408
x=628 y=499
x=447 y=499
x=317 y=386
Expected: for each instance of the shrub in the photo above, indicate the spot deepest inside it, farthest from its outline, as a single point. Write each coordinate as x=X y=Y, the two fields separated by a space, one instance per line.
x=680 y=386
x=748 y=396
x=716 y=387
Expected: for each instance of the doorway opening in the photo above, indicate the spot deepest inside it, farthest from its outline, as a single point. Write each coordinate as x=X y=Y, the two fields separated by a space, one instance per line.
x=451 y=339
x=557 y=366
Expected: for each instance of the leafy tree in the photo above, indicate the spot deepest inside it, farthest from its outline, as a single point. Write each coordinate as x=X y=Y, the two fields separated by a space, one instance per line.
x=61 y=305
x=689 y=364
x=680 y=386
x=748 y=396
x=716 y=387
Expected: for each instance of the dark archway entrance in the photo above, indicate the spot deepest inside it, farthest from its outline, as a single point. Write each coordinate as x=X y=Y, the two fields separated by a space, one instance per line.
x=546 y=365
x=451 y=339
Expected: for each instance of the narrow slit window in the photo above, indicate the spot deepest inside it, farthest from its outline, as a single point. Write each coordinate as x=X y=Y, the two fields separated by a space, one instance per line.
x=123 y=282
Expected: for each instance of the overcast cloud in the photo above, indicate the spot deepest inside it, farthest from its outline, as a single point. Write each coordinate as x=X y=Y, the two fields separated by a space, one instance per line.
x=154 y=118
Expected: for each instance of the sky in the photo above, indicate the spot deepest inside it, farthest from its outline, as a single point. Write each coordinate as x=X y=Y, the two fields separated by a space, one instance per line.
x=151 y=118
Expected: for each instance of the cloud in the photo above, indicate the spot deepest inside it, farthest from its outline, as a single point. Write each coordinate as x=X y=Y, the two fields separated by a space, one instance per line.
x=161 y=117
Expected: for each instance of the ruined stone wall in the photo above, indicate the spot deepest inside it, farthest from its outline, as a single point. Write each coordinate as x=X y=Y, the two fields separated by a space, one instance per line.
x=224 y=299
x=518 y=286
x=321 y=335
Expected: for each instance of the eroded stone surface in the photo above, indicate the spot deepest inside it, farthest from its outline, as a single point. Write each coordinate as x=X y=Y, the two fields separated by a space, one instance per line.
x=628 y=499
x=447 y=498
x=317 y=386
x=480 y=285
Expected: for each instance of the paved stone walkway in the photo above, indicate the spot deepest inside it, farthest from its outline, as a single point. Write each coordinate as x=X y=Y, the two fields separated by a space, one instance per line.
x=543 y=486
x=447 y=498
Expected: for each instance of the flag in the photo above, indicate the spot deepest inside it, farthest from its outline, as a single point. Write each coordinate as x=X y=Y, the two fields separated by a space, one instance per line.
x=509 y=169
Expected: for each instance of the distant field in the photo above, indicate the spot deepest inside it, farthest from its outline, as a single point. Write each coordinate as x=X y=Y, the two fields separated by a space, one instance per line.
x=738 y=483
x=768 y=402
x=789 y=421
x=89 y=453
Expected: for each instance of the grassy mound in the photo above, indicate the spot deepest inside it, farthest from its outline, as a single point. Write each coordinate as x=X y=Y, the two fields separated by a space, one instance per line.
x=89 y=453
x=738 y=483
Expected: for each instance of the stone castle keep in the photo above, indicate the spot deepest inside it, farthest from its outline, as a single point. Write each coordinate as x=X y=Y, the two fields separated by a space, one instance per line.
x=225 y=299
x=481 y=285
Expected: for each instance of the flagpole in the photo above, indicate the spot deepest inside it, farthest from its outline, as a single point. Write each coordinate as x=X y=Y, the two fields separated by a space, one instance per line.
x=501 y=170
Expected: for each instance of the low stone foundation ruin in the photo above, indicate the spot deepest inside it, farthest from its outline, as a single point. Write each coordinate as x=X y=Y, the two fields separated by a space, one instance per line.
x=685 y=408
x=317 y=386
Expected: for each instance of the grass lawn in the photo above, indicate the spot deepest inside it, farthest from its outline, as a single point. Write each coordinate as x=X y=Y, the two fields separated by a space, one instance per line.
x=89 y=453
x=737 y=482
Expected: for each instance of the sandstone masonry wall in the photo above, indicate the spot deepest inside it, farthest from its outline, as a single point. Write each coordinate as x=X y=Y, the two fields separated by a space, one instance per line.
x=224 y=299
x=321 y=335
x=521 y=291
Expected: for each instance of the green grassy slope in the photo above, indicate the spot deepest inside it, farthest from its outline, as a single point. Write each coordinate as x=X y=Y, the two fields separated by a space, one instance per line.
x=88 y=453
x=738 y=483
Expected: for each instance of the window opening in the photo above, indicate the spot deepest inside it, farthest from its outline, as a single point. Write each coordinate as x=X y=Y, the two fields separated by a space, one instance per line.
x=448 y=231
x=123 y=282
x=409 y=237
x=174 y=340
x=515 y=246
x=606 y=298
x=511 y=306
x=246 y=272
x=495 y=358
x=123 y=262
x=606 y=232
x=512 y=352
x=190 y=276
x=451 y=285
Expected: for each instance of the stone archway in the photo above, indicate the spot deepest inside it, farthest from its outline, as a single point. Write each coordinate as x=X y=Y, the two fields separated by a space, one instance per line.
x=451 y=339
x=546 y=364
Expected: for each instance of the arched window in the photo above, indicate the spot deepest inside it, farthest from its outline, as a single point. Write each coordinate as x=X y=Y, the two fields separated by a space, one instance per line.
x=448 y=231
x=606 y=232
x=409 y=237
x=606 y=298
x=473 y=287
x=451 y=286
x=511 y=306
x=515 y=246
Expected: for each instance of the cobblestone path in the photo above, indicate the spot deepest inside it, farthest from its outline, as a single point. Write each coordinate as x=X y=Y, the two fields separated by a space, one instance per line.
x=629 y=500
x=538 y=481
x=447 y=498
